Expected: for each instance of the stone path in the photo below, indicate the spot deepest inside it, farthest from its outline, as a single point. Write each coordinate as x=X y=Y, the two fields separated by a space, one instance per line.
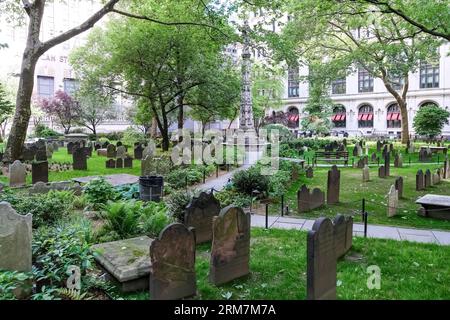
x=115 y=179
x=373 y=231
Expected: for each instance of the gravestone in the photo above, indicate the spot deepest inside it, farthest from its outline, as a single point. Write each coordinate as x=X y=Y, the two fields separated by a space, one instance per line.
x=102 y=152
x=41 y=150
x=361 y=163
x=70 y=146
x=119 y=143
x=333 y=185
x=199 y=214
x=172 y=271
x=373 y=157
x=121 y=152
x=435 y=177
x=79 y=159
x=119 y=163
x=17 y=174
x=398 y=161
x=138 y=150
x=110 y=163
x=365 y=174
x=420 y=180
x=307 y=201
x=379 y=145
x=387 y=164
x=446 y=168
x=39 y=172
x=128 y=162
x=399 y=186
x=381 y=172
x=343 y=234
x=359 y=149
x=321 y=261
x=148 y=151
x=391 y=147
x=111 y=151
x=355 y=151
x=427 y=178
x=392 y=202
x=385 y=150
x=146 y=166
x=105 y=145
x=97 y=145
x=230 y=250
x=29 y=152
x=309 y=172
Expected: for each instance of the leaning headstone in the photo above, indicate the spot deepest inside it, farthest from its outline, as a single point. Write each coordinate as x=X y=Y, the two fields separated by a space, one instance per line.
x=199 y=214
x=121 y=152
x=138 y=152
x=392 y=202
x=230 y=250
x=398 y=160
x=309 y=172
x=399 y=186
x=39 y=172
x=420 y=180
x=128 y=162
x=79 y=159
x=333 y=185
x=111 y=151
x=17 y=174
x=381 y=172
x=321 y=261
x=365 y=173
x=119 y=163
x=172 y=257
x=343 y=234
x=427 y=178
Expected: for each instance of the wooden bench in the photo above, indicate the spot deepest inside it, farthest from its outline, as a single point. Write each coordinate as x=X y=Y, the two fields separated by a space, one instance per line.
x=331 y=156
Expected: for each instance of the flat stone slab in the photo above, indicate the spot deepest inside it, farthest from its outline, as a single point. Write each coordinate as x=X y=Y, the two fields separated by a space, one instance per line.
x=434 y=200
x=442 y=237
x=126 y=260
x=115 y=179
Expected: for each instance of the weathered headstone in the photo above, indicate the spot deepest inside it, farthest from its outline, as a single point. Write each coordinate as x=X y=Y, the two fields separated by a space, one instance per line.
x=399 y=186
x=230 y=250
x=128 y=162
x=333 y=185
x=148 y=151
x=102 y=152
x=199 y=215
x=446 y=168
x=387 y=164
x=79 y=159
x=420 y=180
x=17 y=174
x=427 y=178
x=111 y=151
x=355 y=150
x=307 y=201
x=321 y=261
x=385 y=150
x=29 y=152
x=172 y=271
x=138 y=150
x=146 y=166
x=70 y=146
x=119 y=163
x=392 y=202
x=398 y=160
x=373 y=157
x=343 y=234
x=381 y=172
x=121 y=152
x=435 y=177
x=309 y=172
x=379 y=145
x=361 y=163
x=110 y=163
x=41 y=150
x=365 y=173
x=39 y=172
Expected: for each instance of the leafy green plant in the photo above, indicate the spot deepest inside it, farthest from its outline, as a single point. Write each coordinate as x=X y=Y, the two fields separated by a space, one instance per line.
x=98 y=192
x=132 y=135
x=231 y=197
x=178 y=177
x=430 y=119
x=11 y=280
x=246 y=181
x=177 y=202
x=122 y=217
x=128 y=192
x=154 y=218
x=42 y=131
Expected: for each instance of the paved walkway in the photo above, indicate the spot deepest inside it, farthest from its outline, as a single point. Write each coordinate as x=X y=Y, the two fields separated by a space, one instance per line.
x=373 y=231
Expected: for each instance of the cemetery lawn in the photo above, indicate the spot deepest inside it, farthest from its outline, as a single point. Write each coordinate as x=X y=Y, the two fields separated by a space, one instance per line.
x=278 y=270
x=353 y=190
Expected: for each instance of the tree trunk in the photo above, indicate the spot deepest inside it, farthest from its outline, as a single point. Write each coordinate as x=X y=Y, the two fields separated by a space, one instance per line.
x=180 y=117
x=154 y=128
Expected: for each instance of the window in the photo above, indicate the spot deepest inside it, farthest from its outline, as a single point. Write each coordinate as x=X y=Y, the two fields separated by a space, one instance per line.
x=365 y=116
x=338 y=86
x=46 y=86
x=70 y=85
x=365 y=81
x=429 y=75
x=397 y=81
x=393 y=116
x=293 y=83
x=339 y=116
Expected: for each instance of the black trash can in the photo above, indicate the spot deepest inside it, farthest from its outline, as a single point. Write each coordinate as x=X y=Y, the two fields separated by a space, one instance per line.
x=151 y=188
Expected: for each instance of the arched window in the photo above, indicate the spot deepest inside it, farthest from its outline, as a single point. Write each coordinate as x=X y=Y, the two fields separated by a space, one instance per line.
x=293 y=117
x=365 y=116
x=393 y=116
x=339 y=116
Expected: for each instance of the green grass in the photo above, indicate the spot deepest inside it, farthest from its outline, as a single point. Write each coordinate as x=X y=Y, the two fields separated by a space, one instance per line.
x=278 y=270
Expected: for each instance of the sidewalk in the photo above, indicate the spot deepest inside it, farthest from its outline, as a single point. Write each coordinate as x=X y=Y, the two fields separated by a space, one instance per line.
x=373 y=231
x=218 y=183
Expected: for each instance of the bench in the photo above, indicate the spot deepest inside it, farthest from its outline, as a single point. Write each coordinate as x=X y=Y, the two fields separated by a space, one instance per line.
x=331 y=156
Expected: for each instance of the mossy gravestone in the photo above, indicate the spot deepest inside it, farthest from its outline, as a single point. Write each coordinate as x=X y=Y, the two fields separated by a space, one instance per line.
x=199 y=215
x=15 y=244
x=172 y=271
x=321 y=261
x=121 y=152
x=230 y=251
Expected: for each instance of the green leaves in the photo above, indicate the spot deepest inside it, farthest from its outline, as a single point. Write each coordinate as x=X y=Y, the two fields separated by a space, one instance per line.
x=430 y=119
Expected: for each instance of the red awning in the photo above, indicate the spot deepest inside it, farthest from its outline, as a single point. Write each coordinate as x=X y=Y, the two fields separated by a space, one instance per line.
x=360 y=116
x=389 y=116
x=334 y=117
x=342 y=117
x=370 y=116
x=399 y=117
x=297 y=117
x=364 y=117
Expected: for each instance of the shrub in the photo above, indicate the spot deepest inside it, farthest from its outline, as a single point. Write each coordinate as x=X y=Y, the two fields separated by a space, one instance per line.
x=9 y=281
x=122 y=217
x=42 y=131
x=154 y=218
x=284 y=133
x=231 y=197
x=177 y=178
x=98 y=192
x=128 y=192
x=177 y=203
x=132 y=135
x=246 y=181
